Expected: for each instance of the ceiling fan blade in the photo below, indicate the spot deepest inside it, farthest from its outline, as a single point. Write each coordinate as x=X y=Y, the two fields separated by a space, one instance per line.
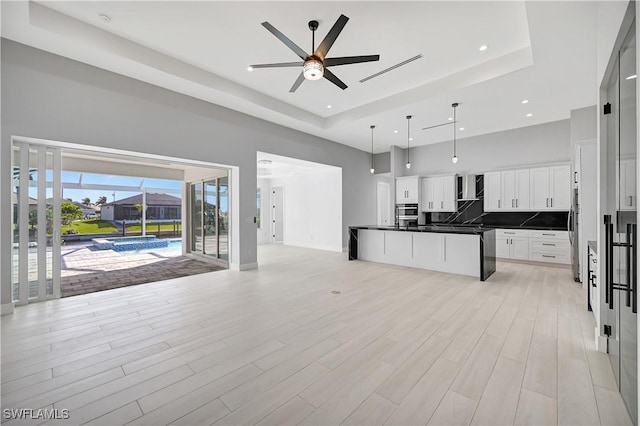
x=297 y=83
x=346 y=60
x=331 y=37
x=283 y=38
x=335 y=80
x=278 y=65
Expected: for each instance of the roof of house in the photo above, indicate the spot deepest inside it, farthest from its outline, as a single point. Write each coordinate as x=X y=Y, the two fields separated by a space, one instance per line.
x=14 y=199
x=153 y=199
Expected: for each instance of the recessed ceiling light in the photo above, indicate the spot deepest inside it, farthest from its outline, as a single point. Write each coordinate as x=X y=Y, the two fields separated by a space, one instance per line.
x=525 y=101
x=529 y=115
x=395 y=131
x=461 y=128
x=249 y=68
x=631 y=77
x=450 y=118
x=104 y=17
x=483 y=48
x=264 y=161
x=329 y=106
x=410 y=139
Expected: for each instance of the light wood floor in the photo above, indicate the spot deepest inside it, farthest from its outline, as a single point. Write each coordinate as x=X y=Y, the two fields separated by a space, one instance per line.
x=276 y=346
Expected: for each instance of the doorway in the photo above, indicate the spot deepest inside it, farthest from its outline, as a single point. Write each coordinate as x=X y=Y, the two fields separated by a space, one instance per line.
x=620 y=242
x=209 y=213
x=277 y=208
x=383 y=202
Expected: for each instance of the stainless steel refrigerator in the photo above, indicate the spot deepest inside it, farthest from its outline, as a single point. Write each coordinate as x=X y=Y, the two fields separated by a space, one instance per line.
x=574 y=238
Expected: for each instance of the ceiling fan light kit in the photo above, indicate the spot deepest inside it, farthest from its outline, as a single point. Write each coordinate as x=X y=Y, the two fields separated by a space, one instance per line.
x=315 y=65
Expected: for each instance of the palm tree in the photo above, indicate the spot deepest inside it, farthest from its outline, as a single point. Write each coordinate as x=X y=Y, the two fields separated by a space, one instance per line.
x=101 y=200
x=86 y=201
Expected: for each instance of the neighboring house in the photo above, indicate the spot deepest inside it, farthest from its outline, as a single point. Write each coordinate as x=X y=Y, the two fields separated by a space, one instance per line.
x=159 y=206
x=88 y=211
x=33 y=206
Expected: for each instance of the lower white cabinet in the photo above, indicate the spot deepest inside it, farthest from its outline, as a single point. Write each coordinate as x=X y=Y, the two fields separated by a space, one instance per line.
x=512 y=244
x=535 y=245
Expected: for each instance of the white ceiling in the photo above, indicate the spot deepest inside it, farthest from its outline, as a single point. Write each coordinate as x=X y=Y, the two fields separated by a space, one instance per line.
x=540 y=51
x=271 y=166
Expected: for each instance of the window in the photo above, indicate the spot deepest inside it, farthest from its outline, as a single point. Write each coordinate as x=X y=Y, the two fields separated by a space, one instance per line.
x=258 y=205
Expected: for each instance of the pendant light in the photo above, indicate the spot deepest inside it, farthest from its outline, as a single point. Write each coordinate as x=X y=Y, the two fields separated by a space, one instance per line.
x=454 y=159
x=408 y=165
x=372 y=169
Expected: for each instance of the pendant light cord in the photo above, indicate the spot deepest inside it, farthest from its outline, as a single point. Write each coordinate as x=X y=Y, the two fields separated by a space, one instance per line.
x=372 y=127
x=408 y=138
x=454 y=129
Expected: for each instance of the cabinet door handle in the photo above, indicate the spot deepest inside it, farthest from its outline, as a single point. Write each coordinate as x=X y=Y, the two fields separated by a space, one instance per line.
x=549 y=235
x=546 y=255
x=512 y=203
x=516 y=203
x=512 y=233
x=498 y=203
x=630 y=200
x=547 y=202
x=551 y=201
x=548 y=244
x=442 y=204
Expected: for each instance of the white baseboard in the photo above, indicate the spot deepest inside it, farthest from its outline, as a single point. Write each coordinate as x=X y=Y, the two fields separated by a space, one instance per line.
x=244 y=266
x=6 y=309
x=601 y=341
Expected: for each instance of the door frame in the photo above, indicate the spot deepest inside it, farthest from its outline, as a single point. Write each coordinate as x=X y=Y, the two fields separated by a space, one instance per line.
x=273 y=215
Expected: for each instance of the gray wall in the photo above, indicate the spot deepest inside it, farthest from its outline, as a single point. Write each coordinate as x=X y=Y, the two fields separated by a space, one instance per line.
x=543 y=143
x=50 y=97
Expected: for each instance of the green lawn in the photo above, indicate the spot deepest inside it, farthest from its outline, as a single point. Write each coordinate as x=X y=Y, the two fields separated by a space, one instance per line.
x=153 y=227
x=94 y=226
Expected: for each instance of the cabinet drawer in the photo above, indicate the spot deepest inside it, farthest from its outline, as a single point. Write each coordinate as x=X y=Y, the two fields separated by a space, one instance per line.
x=544 y=245
x=512 y=233
x=558 y=235
x=548 y=257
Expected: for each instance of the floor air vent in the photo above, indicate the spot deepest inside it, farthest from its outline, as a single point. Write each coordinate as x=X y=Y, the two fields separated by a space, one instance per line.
x=398 y=65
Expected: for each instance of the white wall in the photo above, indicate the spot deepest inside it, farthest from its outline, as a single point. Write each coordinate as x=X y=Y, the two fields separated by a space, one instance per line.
x=539 y=144
x=107 y=213
x=312 y=209
x=49 y=97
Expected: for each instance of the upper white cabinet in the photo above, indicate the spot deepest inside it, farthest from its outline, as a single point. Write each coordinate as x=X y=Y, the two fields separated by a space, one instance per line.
x=550 y=188
x=506 y=190
x=408 y=190
x=627 y=185
x=535 y=189
x=439 y=194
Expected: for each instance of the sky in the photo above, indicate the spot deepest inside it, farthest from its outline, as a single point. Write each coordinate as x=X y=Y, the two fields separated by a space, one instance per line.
x=172 y=187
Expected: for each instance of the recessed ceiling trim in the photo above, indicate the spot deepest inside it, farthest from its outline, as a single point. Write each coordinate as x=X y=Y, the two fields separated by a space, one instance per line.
x=391 y=68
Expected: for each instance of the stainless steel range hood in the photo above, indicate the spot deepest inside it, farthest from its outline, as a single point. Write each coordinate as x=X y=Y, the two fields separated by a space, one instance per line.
x=468 y=188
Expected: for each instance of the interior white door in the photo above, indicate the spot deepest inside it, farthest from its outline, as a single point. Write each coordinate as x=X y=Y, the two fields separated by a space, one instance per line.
x=383 y=204
x=539 y=188
x=277 y=209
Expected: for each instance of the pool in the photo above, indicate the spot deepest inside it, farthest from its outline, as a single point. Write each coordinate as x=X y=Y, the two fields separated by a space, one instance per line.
x=132 y=243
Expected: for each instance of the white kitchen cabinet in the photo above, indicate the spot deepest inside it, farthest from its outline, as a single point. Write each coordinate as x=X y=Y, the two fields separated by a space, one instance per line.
x=408 y=190
x=439 y=194
x=507 y=190
x=492 y=191
x=560 y=184
x=512 y=244
x=550 y=188
x=628 y=199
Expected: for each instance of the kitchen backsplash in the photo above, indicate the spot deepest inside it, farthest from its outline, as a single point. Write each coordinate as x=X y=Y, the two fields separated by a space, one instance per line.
x=471 y=212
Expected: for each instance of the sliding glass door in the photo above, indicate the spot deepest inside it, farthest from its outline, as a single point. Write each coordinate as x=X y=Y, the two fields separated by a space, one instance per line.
x=36 y=222
x=209 y=211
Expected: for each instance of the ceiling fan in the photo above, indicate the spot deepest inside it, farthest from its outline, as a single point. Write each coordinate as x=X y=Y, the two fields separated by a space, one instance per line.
x=315 y=66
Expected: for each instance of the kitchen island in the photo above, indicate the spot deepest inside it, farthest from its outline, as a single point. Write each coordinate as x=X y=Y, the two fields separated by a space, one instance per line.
x=455 y=249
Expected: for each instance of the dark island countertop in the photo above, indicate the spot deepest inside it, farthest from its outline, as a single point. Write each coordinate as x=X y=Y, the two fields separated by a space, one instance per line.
x=524 y=228
x=442 y=229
